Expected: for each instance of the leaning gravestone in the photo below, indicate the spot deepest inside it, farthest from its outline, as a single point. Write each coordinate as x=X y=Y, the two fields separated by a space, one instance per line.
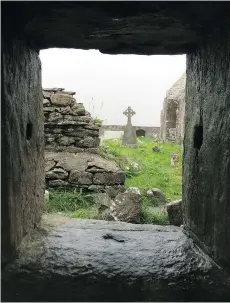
x=129 y=137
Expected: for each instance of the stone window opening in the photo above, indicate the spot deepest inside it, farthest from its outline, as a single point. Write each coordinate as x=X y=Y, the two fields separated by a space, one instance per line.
x=156 y=264
x=29 y=131
x=198 y=136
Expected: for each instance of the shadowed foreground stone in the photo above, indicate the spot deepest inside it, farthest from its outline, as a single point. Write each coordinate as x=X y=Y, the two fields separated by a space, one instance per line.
x=89 y=260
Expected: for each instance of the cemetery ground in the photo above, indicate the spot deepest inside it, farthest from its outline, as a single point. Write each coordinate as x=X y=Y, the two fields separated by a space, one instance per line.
x=144 y=168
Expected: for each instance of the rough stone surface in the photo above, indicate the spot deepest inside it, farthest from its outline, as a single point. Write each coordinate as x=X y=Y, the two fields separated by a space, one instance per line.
x=97 y=261
x=206 y=163
x=22 y=144
x=126 y=206
x=56 y=173
x=173 y=112
x=175 y=215
x=83 y=169
x=67 y=125
x=64 y=135
x=61 y=99
x=146 y=28
x=109 y=179
x=157 y=195
x=80 y=177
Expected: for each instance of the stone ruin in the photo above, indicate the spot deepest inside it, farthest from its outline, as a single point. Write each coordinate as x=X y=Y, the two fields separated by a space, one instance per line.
x=173 y=112
x=68 y=126
x=76 y=260
x=72 y=157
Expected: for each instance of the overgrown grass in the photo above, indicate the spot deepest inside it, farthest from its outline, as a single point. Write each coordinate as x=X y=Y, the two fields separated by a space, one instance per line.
x=154 y=169
x=144 y=169
x=72 y=203
x=151 y=214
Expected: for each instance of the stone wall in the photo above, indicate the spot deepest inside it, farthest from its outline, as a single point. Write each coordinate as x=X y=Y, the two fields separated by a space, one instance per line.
x=83 y=170
x=173 y=112
x=150 y=131
x=68 y=126
x=22 y=144
x=206 y=164
x=72 y=147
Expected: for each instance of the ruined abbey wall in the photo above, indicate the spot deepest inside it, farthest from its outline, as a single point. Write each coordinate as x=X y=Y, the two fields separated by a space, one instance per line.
x=173 y=113
x=68 y=126
x=72 y=147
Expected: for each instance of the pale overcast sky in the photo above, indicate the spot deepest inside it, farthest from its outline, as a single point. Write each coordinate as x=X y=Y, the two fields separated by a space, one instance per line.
x=108 y=84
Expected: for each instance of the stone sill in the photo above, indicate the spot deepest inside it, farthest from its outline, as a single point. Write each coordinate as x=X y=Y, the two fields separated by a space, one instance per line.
x=90 y=260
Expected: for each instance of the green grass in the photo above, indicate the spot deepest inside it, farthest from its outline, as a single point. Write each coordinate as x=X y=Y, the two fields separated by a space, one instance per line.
x=71 y=203
x=154 y=168
x=144 y=169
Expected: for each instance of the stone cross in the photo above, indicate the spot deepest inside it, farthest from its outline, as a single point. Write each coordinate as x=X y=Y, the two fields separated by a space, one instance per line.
x=129 y=113
x=129 y=137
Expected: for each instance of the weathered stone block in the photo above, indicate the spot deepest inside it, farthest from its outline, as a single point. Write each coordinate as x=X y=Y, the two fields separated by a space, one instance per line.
x=56 y=173
x=48 y=109
x=175 y=214
x=158 y=197
x=78 y=109
x=96 y=188
x=127 y=206
x=49 y=163
x=65 y=141
x=114 y=190
x=55 y=117
x=93 y=261
x=47 y=94
x=90 y=142
x=109 y=178
x=61 y=99
x=46 y=102
x=64 y=110
x=80 y=177
x=57 y=183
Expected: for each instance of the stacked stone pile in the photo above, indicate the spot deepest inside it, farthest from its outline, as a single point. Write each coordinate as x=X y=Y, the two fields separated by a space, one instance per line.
x=72 y=145
x=68 y=126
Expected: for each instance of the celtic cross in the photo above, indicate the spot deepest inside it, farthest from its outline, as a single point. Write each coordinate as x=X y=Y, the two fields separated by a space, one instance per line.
x=129 y=113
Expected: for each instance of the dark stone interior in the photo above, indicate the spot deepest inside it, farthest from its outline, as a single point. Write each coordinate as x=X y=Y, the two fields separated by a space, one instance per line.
x=140 y=133
x=199 y=29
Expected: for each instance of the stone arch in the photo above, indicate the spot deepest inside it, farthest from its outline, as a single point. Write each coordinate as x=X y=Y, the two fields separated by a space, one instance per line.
x=140 y=132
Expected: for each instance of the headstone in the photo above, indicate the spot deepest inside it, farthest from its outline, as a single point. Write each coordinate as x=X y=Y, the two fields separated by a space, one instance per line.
x=174 y=159
x=129 y=137
x=156 y=149
x=175 y=213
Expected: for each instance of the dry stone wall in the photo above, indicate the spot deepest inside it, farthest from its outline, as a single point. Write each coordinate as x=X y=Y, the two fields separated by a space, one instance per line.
x=68 y=126
x=72 y=157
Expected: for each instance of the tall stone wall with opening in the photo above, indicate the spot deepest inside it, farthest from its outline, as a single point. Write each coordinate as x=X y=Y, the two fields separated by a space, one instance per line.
x=206 y=164
x=22 y=144
x=173 y=112
x=72 y=147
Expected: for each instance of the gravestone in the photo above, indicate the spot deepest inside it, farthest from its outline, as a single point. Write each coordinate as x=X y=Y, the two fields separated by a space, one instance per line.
x=174 y=159
x=129 y=137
